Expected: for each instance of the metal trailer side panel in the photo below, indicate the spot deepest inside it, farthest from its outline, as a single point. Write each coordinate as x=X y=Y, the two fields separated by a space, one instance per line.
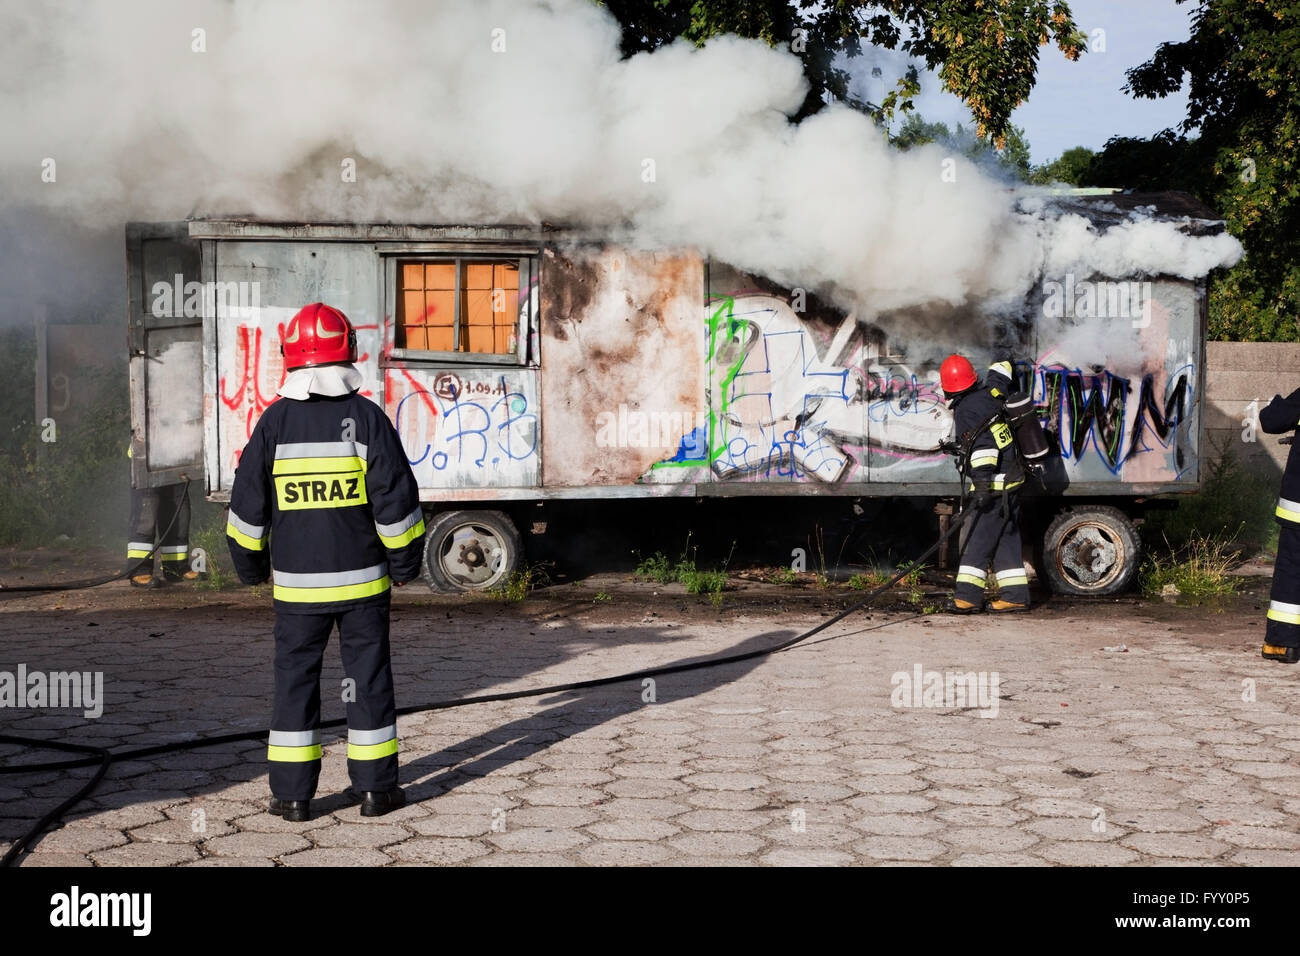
x=659 y=377
x=165 y=328
x=265 y=284
x=623 y=377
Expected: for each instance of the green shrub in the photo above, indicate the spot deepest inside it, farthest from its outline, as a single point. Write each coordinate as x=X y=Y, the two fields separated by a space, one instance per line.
x=77 y=485
x=657 y=568
x=210 y=535
x=1201 y=568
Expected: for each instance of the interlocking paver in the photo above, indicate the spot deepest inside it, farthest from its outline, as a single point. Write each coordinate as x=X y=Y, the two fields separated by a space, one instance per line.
x=1146 y=758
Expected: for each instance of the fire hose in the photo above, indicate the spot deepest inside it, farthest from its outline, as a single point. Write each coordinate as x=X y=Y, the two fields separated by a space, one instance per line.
x=79 y=585
x=104 y=758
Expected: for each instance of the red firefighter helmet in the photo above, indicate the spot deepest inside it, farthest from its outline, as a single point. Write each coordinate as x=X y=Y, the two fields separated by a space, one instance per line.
x=318 y=335
x=956 y=374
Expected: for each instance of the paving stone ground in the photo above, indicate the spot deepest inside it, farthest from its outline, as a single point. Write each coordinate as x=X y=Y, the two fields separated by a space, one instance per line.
x=1121 y=733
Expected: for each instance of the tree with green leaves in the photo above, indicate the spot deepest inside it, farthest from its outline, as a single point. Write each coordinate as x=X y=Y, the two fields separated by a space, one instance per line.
x=1070 y=167
x=984 y=51
x=1013 y=158
x=1238 y=150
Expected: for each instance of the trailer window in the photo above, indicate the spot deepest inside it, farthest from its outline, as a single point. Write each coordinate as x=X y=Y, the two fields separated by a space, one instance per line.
x=460 y=305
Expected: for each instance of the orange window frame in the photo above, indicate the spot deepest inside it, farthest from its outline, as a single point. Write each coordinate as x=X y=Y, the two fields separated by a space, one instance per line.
x=462 y=305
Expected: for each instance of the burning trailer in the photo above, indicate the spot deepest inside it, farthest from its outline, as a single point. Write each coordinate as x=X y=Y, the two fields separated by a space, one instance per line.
x=523 y=364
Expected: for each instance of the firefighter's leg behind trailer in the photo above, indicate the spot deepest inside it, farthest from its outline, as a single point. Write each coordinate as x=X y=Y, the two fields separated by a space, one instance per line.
x=174 y=524
x=140 y=542
x=159 y=511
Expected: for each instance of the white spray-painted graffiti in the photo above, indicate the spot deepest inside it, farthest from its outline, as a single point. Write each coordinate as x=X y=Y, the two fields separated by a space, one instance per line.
x=789 y=402
x=784 y=406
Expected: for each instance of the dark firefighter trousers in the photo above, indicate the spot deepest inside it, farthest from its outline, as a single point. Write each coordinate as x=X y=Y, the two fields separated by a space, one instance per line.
x=153 y=512
x=1283 y=628
x=294 y=745
x=997 y=536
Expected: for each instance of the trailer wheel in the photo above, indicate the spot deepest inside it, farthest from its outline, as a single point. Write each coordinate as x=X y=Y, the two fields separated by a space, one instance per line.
x=470 y=551
x=1091 y=550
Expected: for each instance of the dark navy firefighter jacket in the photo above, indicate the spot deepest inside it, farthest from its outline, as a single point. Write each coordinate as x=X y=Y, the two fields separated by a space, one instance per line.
x=1283 y=415
x=994 y=464
x=326 y=505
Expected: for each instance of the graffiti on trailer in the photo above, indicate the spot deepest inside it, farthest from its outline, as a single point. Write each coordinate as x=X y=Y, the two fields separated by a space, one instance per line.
x=458 y=422
x=787 y=404
x=253 y=355
x=1085 y=410
x=247 y=395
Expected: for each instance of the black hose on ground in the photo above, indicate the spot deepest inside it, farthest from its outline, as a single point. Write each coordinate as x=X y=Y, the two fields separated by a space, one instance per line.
x=105 y=757
x=80 y=585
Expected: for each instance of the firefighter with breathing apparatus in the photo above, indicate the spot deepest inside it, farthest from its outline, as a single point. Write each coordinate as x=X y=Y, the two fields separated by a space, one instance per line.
x=995 y=430
x=324 y=503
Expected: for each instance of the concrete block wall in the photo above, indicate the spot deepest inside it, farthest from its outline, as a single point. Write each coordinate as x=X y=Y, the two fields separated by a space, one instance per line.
x=1238 y=374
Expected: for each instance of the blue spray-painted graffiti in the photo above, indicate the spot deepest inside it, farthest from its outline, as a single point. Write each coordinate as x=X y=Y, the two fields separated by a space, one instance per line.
x=473 y=430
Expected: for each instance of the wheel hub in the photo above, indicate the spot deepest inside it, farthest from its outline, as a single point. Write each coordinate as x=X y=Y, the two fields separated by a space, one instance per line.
x=1089 y=556
x=473 y=557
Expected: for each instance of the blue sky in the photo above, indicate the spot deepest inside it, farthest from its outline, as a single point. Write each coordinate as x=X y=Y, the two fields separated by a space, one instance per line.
x=1082 y=103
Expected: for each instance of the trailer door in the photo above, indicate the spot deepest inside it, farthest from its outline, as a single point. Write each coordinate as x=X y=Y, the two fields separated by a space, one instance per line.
x=165 y=333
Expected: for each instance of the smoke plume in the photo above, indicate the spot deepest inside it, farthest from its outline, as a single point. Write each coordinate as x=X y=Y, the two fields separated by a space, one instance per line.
x=515 y=111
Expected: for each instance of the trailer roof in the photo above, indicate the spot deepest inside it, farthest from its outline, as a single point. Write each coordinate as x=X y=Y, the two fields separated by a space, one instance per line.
x=1106 y=208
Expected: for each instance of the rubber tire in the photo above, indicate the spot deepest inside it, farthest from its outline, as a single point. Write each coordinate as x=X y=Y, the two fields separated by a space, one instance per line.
x=487 y=528
x=1070 y=530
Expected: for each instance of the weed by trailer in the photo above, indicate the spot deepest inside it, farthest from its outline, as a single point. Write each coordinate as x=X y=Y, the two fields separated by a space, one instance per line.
x=525 y=364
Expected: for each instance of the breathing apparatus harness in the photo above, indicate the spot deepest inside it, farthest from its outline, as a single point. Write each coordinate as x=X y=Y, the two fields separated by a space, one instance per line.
x=1014 y=425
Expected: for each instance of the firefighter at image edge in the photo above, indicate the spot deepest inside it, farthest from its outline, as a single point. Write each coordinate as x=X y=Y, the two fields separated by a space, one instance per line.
x=1282 y=629
x=991 y=472
x=325 y=503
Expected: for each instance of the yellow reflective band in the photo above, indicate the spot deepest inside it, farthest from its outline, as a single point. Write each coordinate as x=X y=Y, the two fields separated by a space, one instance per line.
x=300 y=466
x=175 y=557
x=1284 y=617
x=1286 y=514
x=987 y=456
x=250 y=544
x=406 y=537
x=337 y=490
x=1018 y=579
x=342 y=592
x=132 y=553
x=293 y=754
x=970 y=579
x=372 y=751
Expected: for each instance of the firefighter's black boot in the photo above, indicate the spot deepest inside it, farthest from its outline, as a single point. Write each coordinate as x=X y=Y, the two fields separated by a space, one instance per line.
x=295 y=811
x=957 y=605
x=1281 y=653
x=375 y=803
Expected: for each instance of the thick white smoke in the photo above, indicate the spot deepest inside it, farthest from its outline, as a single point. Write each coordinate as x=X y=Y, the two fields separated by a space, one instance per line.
x=514 y=111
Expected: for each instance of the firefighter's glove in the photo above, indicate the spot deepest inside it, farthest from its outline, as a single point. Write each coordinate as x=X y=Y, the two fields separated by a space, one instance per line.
x=950 y=448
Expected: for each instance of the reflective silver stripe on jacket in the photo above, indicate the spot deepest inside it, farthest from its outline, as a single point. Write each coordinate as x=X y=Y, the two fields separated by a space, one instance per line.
x=329 y=579
x=321 y=449
x=397 y=527
x=247 y=527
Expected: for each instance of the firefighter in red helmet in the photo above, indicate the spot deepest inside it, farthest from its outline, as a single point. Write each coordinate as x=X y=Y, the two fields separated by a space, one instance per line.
x=325 y=504
x=992 y=473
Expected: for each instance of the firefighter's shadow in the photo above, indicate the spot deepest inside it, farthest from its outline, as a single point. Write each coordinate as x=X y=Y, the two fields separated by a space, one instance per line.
x=568 y=714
